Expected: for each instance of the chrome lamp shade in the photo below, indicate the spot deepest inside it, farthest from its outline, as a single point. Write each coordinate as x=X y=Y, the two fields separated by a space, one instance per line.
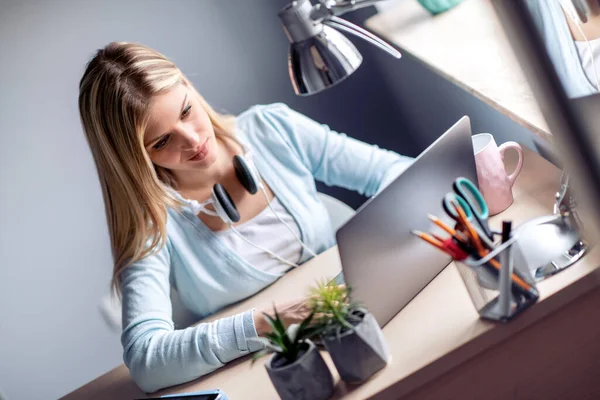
x=319 y=55
x=321 y=61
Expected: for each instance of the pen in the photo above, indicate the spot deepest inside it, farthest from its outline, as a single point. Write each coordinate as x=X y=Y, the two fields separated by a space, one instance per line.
x=504 y=298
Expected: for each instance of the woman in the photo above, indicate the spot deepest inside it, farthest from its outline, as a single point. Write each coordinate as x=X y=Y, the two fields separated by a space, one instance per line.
x=573 y=46
x=160 y=149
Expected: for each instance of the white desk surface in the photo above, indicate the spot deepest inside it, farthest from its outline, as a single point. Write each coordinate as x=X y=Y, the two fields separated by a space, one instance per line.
x=467 y=46
x=437 y=331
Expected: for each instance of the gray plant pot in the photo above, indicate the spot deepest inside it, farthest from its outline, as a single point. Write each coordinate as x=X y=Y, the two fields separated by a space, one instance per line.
x=308 y=378
x=359 y=353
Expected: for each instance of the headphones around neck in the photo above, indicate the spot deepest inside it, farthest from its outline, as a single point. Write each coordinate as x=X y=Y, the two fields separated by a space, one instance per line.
x=578 y=10
x=247 y=174
x=249 y=177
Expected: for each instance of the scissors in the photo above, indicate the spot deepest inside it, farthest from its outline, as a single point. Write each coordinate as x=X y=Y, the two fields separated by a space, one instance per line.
x=471 y=201
x=448 y=202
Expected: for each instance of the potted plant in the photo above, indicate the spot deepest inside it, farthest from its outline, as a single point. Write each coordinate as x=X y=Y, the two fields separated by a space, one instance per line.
x=296 y=368
x=350 y=333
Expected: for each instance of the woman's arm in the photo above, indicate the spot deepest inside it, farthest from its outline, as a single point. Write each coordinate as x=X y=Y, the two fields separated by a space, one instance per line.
x=334 y=158
x=156 y=354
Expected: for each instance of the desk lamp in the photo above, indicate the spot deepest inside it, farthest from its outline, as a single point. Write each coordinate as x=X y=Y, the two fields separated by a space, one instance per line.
x=319 y=56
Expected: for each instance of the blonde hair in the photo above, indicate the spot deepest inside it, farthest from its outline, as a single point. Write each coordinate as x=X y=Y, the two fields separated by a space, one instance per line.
x=114 y=102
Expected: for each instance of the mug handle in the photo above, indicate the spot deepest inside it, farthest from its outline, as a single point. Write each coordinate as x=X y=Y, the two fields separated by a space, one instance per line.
x=512 y=145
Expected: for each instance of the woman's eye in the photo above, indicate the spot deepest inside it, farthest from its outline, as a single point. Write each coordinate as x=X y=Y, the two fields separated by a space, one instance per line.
x=186 y=111
x=162 y=142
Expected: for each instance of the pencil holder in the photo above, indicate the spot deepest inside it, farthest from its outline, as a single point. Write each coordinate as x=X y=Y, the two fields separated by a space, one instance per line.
x=500 y=284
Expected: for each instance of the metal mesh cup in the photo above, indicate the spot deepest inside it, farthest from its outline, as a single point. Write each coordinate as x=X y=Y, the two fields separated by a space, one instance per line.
x=500 y=284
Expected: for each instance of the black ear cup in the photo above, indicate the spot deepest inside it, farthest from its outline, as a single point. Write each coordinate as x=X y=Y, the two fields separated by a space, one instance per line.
x=225 y=202
x=582 y=8
x=244 y=174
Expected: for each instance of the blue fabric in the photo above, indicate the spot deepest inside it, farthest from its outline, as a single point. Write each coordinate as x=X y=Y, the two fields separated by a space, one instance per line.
x=290 y=151
x=551 y=22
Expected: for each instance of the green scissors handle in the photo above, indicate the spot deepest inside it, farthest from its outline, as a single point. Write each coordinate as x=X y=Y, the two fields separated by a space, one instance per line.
x=467 y=190
x=448 y=206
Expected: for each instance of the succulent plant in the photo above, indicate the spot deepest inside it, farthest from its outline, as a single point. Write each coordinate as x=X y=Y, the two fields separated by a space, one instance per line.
x=334 y=311
x=287 y=342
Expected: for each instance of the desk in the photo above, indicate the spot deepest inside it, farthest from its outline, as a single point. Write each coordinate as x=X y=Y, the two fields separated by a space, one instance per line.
x=440 y=348
x=467 y=46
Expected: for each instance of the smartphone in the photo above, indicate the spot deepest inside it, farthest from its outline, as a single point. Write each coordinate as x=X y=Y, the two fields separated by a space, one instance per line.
x=216 y=394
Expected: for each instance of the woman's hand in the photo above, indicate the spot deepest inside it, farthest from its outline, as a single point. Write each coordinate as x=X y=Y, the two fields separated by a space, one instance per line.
x=292 y=312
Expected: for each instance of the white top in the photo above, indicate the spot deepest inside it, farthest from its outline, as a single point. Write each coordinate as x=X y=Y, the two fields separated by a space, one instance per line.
x=586 y=58
x=267 y=231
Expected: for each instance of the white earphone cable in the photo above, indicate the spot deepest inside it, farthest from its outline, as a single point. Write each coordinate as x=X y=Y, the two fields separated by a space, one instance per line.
x=262 y=188
x=256 y=176
x=589 y=46
x=291 y=264
x=569 y=12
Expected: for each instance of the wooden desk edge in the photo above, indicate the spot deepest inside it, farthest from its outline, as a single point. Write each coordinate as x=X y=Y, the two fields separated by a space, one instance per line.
x=492 y=337
x=424 y=375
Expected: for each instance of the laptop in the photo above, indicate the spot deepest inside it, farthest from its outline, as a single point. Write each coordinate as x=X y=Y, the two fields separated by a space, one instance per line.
x=383 y=263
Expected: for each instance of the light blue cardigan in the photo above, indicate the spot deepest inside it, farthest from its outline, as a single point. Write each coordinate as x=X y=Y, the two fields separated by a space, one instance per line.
x=551 y=22
x=290 y=151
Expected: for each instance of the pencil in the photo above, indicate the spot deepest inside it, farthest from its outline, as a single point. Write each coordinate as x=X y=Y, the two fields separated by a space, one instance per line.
x=456 y=234
x=429 y=239
x=441 y=224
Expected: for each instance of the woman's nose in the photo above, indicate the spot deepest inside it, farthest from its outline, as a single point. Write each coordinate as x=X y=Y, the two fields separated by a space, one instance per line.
x=189 y=140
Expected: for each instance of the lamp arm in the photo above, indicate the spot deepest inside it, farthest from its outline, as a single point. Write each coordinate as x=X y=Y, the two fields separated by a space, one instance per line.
x=328 y=8
x=349 y=27
x=327 y=11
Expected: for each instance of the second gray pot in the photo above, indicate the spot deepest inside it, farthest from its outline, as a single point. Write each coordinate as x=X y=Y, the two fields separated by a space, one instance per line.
x=308 y=378
x=359 y=353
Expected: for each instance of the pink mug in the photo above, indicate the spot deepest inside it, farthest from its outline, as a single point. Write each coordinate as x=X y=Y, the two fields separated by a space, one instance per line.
x=494 y=183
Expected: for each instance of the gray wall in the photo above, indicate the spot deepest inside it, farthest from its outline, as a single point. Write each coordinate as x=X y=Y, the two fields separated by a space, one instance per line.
x=54 y=246
x=432 y=104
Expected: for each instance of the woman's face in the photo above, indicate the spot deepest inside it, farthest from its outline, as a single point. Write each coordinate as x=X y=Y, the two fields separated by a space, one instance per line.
x=179 y=135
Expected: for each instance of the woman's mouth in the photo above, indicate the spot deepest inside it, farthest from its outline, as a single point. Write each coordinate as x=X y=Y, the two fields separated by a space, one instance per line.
x=201 y=153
